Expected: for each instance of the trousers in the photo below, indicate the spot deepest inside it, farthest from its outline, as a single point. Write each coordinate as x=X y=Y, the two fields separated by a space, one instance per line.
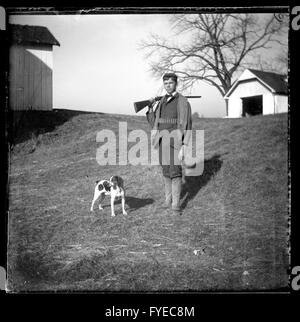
x=172 y=192
x=172 y=169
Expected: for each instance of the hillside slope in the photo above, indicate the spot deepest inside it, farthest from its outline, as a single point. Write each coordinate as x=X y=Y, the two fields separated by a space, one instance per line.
x=233 y=233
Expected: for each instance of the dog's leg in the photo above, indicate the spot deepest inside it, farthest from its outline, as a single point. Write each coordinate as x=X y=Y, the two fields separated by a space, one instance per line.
x=123 y=204
x=96 y=196
x=102 y=196
x=112 y=205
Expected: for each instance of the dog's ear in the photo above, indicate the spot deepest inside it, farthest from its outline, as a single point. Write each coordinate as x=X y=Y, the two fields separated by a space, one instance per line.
x=118 y=180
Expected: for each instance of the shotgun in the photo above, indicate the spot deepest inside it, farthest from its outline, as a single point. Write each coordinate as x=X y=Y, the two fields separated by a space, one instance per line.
x=138 y=106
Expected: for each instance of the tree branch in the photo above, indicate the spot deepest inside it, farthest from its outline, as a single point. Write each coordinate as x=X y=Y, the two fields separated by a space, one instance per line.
x=216 y=46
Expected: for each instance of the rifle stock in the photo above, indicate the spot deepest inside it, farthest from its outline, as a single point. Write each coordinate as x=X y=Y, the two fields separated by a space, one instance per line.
x=138 y=106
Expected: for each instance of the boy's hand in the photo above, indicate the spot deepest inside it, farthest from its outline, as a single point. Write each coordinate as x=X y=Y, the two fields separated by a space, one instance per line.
x=152 y=100
x=150 y=106
x=181 y=153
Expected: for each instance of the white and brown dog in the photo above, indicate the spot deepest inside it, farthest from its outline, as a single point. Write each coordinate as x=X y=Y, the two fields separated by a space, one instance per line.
x=113 y=188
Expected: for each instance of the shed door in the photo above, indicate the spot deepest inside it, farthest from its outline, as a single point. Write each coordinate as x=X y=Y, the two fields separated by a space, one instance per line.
x=252 y=105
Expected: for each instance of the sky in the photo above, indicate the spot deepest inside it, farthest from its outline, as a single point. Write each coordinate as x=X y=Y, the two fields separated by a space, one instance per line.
x=98 y=66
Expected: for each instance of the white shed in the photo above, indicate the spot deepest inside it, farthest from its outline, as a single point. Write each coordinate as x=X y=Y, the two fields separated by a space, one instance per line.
x=257 y=92
x=30 y=67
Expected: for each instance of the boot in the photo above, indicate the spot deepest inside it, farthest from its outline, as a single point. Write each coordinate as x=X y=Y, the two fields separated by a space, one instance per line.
x=176 y=191
x=168 y=192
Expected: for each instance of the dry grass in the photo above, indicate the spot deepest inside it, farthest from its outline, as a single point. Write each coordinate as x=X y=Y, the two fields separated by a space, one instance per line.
x=232 y=234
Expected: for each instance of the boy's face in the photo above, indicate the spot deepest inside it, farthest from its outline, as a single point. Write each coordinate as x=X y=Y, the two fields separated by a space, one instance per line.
x=170 y=85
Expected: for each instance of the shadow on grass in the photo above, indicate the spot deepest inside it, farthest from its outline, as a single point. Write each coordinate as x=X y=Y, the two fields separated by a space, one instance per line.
x=133 y=203
x=192 y=184
x=136 y=203
x=22 y=125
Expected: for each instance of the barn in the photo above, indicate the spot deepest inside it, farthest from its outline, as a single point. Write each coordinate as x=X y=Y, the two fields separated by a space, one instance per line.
x=30 y=67
x=257 y=92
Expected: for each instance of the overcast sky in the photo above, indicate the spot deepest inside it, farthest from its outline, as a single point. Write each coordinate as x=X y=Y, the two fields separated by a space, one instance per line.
x=98 y=66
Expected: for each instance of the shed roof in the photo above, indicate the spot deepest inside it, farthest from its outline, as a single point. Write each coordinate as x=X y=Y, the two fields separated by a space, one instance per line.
x=275 y=82
x=31 y=34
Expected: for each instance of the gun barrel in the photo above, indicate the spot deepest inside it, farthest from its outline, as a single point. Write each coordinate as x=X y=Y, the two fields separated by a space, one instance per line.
x=138 y=106
x=157 y=98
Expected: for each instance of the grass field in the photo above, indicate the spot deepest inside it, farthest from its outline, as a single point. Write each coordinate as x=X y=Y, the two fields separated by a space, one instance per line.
x=232 y=235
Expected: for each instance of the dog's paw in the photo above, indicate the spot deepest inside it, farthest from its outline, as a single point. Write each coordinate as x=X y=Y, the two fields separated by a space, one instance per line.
x=91 y=210
x=100 y=208
x=124 y=213
x=113 y=215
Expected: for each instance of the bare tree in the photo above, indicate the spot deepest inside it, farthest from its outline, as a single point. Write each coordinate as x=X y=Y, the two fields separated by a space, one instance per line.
x=213 y=47
x=282 y=62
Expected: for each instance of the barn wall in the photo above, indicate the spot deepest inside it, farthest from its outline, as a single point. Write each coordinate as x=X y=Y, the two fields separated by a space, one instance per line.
x=30 y=77
x=251 y=88
x=234 y=107
x=281 y=103
x=246 y=75
x=268 y=104
x=247 y=89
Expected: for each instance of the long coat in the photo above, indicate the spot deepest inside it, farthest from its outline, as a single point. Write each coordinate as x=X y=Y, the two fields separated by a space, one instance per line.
x=184 y=124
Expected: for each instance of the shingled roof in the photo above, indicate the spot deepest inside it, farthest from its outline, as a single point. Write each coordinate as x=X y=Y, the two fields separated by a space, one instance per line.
x=275 y=81
x=31 y=34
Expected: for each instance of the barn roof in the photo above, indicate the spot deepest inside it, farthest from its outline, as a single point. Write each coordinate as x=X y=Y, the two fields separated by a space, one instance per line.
x=32 y=34
x=275 y=82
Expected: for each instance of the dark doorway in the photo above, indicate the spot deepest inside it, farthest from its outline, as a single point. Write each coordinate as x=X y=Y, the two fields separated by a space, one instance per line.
x=252 y=105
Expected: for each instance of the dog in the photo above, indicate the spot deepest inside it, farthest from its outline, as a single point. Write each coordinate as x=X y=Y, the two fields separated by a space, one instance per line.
x=114 y=187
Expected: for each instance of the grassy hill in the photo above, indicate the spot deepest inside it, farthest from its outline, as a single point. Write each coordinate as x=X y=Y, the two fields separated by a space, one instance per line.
x=232 y=235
